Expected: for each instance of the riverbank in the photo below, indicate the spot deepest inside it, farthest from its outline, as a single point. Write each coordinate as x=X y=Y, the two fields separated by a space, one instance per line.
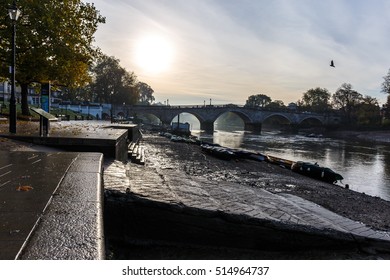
x=182 y=158
x=171 y=166
x=374 y=136
x=373 y=211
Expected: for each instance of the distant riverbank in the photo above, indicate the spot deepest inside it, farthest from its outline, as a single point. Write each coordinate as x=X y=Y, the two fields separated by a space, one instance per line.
x=377 y=136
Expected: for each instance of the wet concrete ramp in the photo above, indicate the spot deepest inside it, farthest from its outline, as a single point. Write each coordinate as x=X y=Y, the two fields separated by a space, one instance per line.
x=147 y=220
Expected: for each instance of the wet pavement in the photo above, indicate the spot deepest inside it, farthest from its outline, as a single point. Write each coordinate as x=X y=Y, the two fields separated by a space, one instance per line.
x=77 y=136
x=45 y=201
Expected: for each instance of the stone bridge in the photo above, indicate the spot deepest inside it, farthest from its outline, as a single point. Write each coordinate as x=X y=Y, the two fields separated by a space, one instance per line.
x=253 y=117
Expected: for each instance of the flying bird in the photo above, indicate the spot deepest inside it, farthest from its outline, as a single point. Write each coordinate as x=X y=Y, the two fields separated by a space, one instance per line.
x=331 y=63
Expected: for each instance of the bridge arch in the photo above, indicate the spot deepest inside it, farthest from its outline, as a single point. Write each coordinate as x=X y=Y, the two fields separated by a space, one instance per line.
x=197 y=116
x=240 y=114
x=278 y=120
x=186 y=117
x=230 y=115
x=278 y=116
x=311 y=120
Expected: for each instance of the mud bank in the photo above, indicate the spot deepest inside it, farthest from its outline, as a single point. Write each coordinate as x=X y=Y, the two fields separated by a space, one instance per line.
x=165 y=159
x=372 y=211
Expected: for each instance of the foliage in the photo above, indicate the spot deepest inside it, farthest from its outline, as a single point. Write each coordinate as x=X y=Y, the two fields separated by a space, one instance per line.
x=368 y=111
x=316 y=100
x=345 y=99
x=386 y=108
x=386 y=123
x=79 y=94
x=258 y=100
x=145 y=93
x=112 y=83
x=276 y=104
x=54 y=42
x=386 y=83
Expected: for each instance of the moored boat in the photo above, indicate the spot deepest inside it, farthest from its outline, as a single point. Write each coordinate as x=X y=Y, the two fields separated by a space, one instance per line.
x=317 y=172
x=280 y=161
x=257 y=157
x=219 y=152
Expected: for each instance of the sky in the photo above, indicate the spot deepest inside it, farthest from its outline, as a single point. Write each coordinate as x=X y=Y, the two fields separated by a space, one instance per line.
x=191 y=51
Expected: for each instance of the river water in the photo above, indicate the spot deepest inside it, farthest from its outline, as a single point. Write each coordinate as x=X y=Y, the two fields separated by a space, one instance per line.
x=364 y=166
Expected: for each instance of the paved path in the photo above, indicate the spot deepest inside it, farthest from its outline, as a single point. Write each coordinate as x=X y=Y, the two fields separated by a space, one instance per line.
x=77 y=136
x=46 y=200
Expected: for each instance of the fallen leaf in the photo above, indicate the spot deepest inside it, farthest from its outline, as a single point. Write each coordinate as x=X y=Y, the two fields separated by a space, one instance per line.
x=24 y=188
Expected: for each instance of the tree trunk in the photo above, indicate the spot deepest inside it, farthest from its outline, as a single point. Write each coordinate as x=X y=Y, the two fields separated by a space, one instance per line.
x=25 y=109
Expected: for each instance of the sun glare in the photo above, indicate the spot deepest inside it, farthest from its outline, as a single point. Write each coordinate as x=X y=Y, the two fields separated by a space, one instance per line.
x=154 y=54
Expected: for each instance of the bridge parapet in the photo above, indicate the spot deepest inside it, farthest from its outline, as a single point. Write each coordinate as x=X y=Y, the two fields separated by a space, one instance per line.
x=207 y=115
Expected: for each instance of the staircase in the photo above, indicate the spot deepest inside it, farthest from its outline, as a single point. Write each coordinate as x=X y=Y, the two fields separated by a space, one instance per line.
x=136 y=153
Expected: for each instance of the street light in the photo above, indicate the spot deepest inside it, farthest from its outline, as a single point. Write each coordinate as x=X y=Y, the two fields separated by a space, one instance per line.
x=13 y=12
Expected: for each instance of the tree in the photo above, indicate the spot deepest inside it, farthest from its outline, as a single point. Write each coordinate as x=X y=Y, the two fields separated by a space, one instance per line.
x=258 y=100
x=316 y=100
x=276 y=104
x=145 y=93
x=386 y=83
x=368 y=111
x=386 y=108
x=54 y=43
x=128 y=92
x=112 y=83
x=345 y=99
x=386 y=89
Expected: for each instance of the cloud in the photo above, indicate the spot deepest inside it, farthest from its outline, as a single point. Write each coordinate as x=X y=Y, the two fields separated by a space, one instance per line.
x=228 y=50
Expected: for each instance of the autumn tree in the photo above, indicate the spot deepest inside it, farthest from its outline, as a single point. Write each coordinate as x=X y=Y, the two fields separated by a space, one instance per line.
x=258 y=100
x=346 y=99
x=316 y=100
x=53 y=43
x=112 y=83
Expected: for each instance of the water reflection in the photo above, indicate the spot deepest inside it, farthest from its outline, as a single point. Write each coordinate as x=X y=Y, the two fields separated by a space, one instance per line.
x=365 y=167
x=228 y=139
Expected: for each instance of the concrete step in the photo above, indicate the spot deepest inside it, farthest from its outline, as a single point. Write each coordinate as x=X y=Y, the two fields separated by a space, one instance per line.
x=136 y=153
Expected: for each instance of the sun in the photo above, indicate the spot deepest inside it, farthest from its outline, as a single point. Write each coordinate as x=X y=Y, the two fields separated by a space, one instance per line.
x=153 y=54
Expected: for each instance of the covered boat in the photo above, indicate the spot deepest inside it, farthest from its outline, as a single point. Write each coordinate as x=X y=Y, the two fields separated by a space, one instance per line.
x=317 y=172
x=219 y=152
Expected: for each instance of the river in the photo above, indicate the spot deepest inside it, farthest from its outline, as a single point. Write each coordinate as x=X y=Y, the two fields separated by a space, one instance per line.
x=365 y=167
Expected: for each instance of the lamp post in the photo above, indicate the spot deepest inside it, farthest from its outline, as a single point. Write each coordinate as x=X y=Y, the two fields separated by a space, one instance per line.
x=13 y=14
